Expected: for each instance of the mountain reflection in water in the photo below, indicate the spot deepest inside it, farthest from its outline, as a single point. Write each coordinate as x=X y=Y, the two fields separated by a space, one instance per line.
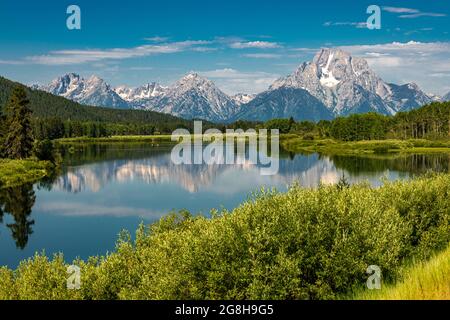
x=103 y=189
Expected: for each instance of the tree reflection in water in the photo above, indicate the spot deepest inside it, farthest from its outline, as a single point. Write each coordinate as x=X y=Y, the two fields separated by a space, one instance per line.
x=18 y=202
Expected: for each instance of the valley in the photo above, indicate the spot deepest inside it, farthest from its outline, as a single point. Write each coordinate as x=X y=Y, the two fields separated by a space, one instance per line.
x=225 y=159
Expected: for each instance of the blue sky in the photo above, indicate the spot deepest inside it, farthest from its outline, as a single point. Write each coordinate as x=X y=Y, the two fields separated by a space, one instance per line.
x=241 y=45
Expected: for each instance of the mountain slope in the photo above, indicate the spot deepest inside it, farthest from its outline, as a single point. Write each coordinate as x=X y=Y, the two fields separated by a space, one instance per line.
x=46 y=105
x=407 y=97
x=341 y=83
x=242 y=98
x=141 y=96
x=446 y=97
x=346 y=85
x=285 y=102
x=93 y=91
x=195 y=97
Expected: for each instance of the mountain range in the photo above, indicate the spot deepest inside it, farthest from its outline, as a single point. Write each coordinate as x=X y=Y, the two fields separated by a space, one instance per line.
x=93 y=91
x=333 y=84
x=446 y=97
x=45 y=105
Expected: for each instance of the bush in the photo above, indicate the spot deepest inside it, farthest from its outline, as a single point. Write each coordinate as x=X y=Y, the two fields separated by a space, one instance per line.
x=304 y=244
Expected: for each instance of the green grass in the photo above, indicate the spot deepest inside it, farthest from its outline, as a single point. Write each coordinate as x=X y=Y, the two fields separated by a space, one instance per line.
x=428 y=280
x=330 y=146
x=307 y=243
x=127 y=139
x=149 y=138
x=17 y=172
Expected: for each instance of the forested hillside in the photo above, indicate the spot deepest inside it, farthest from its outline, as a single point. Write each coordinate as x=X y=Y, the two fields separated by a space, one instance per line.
x=428 y=122
x=45 y=105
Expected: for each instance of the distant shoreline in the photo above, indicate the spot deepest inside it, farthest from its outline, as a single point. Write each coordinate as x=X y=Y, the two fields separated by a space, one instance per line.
x=295 y=143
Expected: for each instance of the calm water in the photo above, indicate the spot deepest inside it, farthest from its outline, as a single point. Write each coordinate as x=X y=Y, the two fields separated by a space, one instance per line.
x=103 y=189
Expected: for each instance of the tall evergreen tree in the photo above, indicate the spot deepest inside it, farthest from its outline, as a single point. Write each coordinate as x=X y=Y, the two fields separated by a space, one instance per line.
x=18 y=139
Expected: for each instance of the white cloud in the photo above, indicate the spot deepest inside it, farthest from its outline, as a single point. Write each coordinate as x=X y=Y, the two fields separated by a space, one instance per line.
x=12 y=62
x=305 y=50
x=254 y=44
x=440 y=75
x=400 y=10
x=409 y=13
x=80 y=209
x=157 y=39
x=67 y=57
x=410 y=48
x=422 y=14
x=262 y=55
x=80 y=56
x=376 y=54
x=233 y=81
x=140 y=68
x=358 y=25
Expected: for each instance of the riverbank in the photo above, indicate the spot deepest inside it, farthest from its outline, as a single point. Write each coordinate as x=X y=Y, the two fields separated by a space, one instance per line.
x=296 y=144
x=118 y=139
x=132 y=139
x=17 y=172
x=303 y=244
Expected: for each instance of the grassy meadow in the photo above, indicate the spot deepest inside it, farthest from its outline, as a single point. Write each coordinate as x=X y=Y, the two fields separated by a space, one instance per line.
x=17 y=172
x=424 y=280
x=295 y=143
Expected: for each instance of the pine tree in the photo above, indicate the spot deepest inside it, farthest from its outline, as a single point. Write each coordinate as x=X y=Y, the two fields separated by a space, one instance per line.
x=18 y=140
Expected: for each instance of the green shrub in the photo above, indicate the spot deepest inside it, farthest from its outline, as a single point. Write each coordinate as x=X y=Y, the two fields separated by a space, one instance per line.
x=303 y=244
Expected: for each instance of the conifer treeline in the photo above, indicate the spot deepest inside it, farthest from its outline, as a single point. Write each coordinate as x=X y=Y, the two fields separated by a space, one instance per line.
x=429 y=122
x=89 y=120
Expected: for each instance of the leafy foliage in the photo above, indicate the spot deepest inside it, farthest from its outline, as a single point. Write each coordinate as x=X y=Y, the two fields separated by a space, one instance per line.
x=304 y=244
x=429 y=122
x=370 y=126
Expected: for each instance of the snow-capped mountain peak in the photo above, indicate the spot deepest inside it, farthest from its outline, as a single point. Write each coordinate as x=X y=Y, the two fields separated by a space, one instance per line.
x=242 y=98
x=64 y=84
x=194 y=96
x=147 y=91
x=93 y=91
x=346 y=84
x=194 y=80
x=333 y=83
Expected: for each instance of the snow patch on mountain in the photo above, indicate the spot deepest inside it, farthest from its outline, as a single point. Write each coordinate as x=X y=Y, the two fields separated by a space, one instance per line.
x=146 y=92
x=327 y=79
x=93 y=91
x=195 y=97
x=346 y=85
x=242 y=98
x=339 y=82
